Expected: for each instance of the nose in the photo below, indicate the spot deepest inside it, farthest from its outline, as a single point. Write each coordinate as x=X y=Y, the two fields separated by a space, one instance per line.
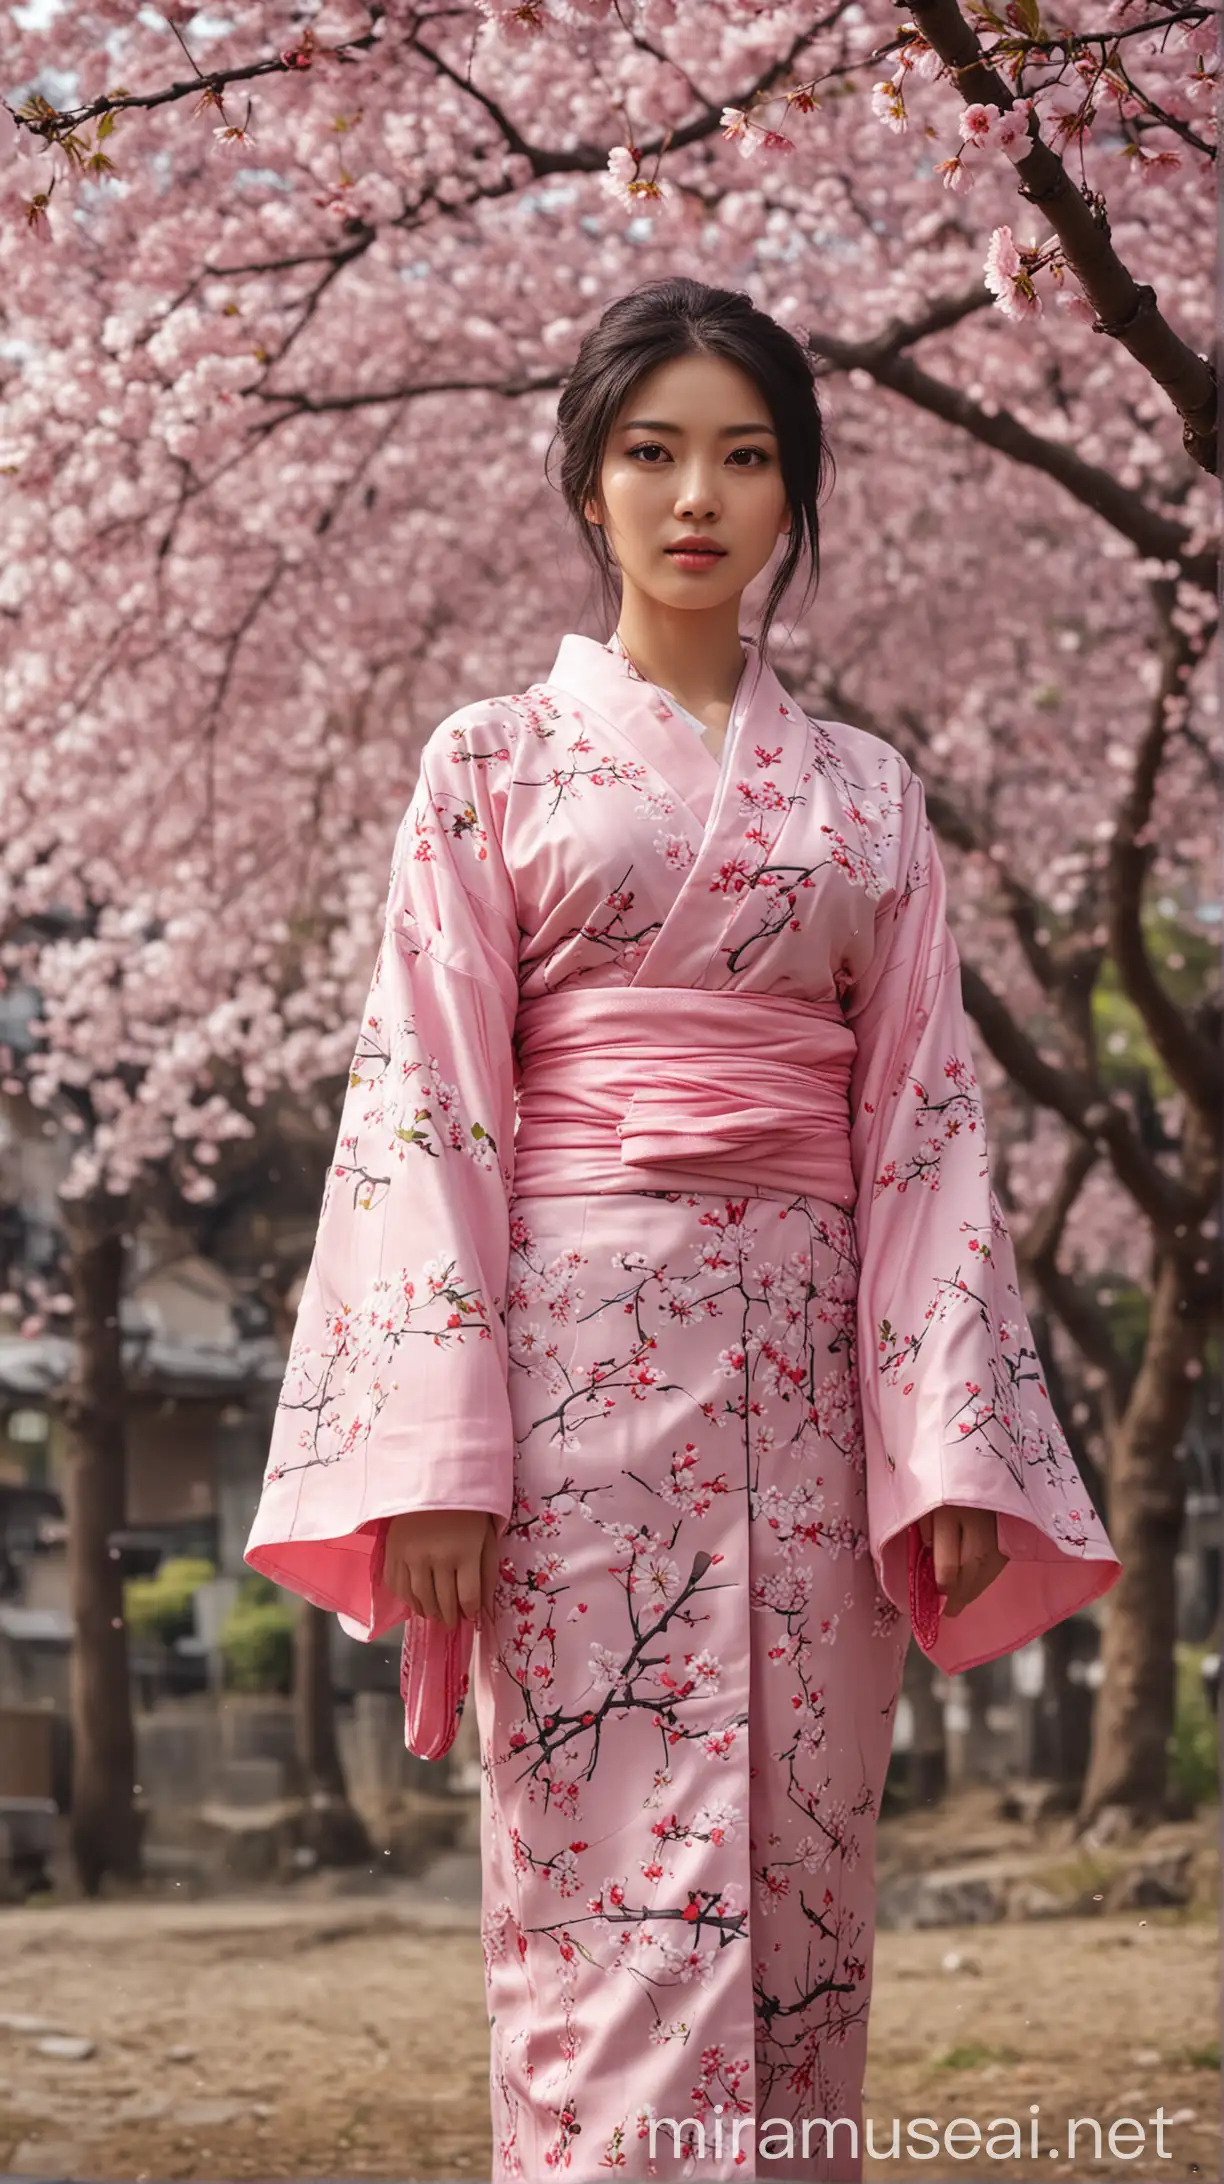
x=696 y=497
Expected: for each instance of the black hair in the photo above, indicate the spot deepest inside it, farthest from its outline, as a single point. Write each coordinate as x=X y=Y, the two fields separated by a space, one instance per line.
x=673 y=318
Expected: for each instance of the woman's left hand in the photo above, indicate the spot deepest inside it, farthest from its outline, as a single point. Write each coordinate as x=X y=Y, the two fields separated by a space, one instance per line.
x=964 y=1546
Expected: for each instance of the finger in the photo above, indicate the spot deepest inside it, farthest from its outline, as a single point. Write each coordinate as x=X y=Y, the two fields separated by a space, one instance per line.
x=467 y=1586
x=965 y=1585
x=447 y=1592
x=978 y=1531
x=953 y=1595
x=978 y=1572
x=962 y=1596
x=423 y=1589
x=409 y=1598
x=924 y=1528
x=973 y=1560
x=396 y=1578
x=488 y=1570
x=946 y=1549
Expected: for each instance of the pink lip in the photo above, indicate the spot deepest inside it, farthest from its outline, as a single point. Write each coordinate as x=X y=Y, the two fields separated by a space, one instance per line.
x=690 y=546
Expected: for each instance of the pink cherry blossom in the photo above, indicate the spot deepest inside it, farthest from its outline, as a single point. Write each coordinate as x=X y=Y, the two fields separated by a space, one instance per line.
x=888 y=104
x=515 y=18
x=1157 y=166
x=630 y=187
x=957 y=174
x=977 y=124
x=242 y=581
x=36 y=212
x=1007 y=277
x=1012 y=134
x=274 y=431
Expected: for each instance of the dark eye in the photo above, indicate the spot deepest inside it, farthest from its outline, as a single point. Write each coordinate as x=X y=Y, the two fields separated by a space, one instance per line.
x=648 y=447
x=758 y=454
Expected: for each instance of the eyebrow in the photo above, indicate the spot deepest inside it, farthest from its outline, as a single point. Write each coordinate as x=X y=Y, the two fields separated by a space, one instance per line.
x=656 y=424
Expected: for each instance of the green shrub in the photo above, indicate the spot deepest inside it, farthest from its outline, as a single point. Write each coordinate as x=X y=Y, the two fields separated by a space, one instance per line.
x=161 y=1606
x=257 y=1639
x=1194 y=1762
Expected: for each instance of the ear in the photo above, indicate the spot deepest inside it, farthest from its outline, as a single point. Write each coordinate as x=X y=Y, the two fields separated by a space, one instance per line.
x=591 y=511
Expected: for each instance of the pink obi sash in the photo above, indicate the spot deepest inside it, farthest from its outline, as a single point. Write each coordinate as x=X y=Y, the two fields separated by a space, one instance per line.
x=665 y=1088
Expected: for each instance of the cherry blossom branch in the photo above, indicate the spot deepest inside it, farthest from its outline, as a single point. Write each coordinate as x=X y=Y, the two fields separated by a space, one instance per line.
x=1037 y=1251
x=1144 y=29
x=1067 y=48
x=1060 y=968
x=212 y=713
x=1125 y=310
x=57 y=124
x=1064 y=970
x=772 y=75
x=61 y=126
x=1071 y=45
x=1081 y=1102
x=1192 y=1059
x=593 y=158
x=300 y=404
x=1074 y=1092
x=337 y=262
x=883 y=357
x=581 y=158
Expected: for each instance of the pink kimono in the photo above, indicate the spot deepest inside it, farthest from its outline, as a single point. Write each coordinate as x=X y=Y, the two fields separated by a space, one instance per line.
x=660 y=1225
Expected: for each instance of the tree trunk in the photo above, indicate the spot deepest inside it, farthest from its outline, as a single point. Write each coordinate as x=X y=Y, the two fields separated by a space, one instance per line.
x=317 y=1751
x=105 y=1825
x=1134 y=1714
x=1064 y=1711
x=928 y=1744
x=334 y=1830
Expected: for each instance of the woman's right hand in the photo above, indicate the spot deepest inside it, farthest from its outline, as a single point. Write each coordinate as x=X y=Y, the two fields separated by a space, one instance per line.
x=443 y=1562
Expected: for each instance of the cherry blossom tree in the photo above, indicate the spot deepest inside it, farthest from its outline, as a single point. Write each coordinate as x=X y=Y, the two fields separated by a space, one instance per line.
x=1142 y=1102
x=1139 y=79
x=289 y=292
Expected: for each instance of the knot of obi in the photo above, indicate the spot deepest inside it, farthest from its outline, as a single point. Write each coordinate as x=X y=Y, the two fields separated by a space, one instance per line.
x=661 y=1088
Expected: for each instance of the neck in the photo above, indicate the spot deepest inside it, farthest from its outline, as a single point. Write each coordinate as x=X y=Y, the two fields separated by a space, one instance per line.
x=698 y=656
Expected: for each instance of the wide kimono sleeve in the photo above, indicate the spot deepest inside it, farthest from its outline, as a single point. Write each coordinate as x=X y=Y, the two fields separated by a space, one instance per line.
x=954 y=1401
x=395 y=1396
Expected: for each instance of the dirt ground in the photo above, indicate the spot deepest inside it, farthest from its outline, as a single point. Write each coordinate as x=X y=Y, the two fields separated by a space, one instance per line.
x=320 y=2033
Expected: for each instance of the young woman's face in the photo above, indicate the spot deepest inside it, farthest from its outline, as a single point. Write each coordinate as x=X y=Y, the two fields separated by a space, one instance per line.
x=692 y=455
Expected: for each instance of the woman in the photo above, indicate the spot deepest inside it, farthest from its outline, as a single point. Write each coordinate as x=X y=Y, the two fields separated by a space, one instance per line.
x=661 y=1388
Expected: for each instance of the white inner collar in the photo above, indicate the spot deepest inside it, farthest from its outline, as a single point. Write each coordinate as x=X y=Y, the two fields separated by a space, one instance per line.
x=685 y=714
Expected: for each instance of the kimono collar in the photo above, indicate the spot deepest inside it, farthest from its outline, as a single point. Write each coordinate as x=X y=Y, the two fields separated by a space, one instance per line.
x=607 y=678
x=604 y=678
x=615 y=645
